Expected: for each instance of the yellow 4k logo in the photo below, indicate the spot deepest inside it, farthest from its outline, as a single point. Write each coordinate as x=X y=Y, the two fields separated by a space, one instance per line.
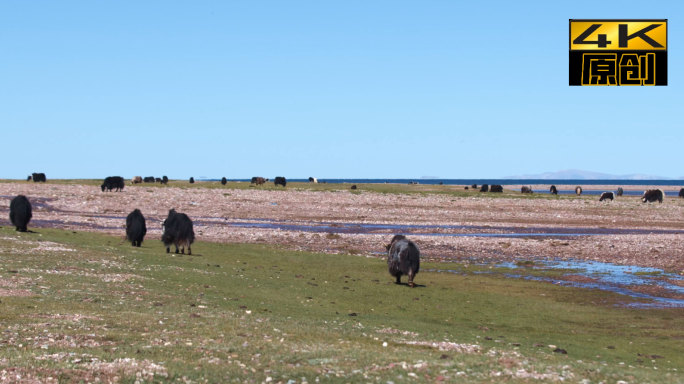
x=618 y=35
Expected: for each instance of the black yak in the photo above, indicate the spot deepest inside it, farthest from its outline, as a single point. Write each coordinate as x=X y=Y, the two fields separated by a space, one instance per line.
x=606 y=196
x=653 y=195
x=496 y=188
x=466 y=187
x=484 y=188
x=578 y=190
x=192 y=180
x=553 y=190
x=135 y=227
x=353 y=186
x=136 y=180
x=224 y=181
x=157 y=180
x=39 y=177
x=20 y=212
x=29 y=178
x=149 y=179
x=474 y=186
x=258 y=180
x=279 y=180
x=526 y=189
x=620 y=191
x=164 y=180
x=177 y=230
x=403 y=258
x=313 y=180
x=681 y=192
x=113 y=182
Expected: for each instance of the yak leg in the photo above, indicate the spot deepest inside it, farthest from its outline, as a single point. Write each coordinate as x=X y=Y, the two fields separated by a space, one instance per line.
x=167 y=250
x=139 y=243
x=176 y=249
x=182 y=249
x=398 y=279
x=189 y=250
x=410 y=282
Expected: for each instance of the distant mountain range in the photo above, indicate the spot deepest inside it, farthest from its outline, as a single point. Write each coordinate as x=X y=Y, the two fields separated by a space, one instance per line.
x=576 y=174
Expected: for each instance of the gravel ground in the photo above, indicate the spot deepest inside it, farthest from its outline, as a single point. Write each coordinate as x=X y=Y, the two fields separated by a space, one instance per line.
x=87 y=208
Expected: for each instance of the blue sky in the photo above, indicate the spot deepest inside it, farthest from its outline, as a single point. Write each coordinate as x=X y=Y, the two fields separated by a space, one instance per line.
x=332 y=89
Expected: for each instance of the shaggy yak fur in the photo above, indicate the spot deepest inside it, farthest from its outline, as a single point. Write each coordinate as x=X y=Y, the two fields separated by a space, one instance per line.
x=135 y=228
x=553 y=190
x=177 y=230
x=39 y=177
x=224 y=181
x=113 y=182
x=403 y=258
x=681 y=192
x=620 y=191
x=653 y=195
x=496 y=188
x=279 y=180
x=578 y=190
x=20 y=212
x=137 y=180
x=606 y=196
x=164 y=180
x=526 y=189
x=484 y=188
x=192 y=180
x=258 y=180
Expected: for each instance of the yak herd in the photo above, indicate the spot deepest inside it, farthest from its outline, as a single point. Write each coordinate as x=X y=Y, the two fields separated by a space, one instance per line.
x=403 y=255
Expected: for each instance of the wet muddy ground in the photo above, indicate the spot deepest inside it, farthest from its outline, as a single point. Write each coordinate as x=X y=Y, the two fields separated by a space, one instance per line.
x=624 y=232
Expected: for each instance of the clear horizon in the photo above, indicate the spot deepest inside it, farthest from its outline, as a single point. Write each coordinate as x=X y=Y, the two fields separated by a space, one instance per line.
x=354 y=90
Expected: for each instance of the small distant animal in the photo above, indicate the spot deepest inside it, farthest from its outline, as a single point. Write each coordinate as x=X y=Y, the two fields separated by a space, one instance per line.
x=149 y=179
x=403 y=258
x=553 y=190
x=20 y=213
x=135 y=227
x=474 y=186
x=606 y=196
x=258 y=180
x=578 y=190
x=441 y=183
x=177 y=230
x=413 y=183
x=136 y=180
x=526 y=189
x=224 y=181
x=164 y=180
x=496 y=188
x=484 y=188
x=313 y=180
x=39 y=178
x=113 y=182
x=192 y=180
x=653 y=195
x=157 y=180
x=353 y=186
x=620 y=191
x=466 y=187
x=279 y=180
x=681 y=192
x=29 y=178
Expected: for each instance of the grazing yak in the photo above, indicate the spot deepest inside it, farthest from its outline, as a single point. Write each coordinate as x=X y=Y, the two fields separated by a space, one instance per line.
x=653 y=195
x=165 y=180
x=223 y=181
x=136 y=180
x=474 y=186
x=313 y=180
x=135 y=227
x=353 y=186
x=496 y=188
x=620 y=191
x=192 y=180
x=553 y=190
x=526 y=189
x=681 y=192
x=484 y=188
x=578 y=190
x=149 y=179
x=39 y=178
x=177 y=230
x=466 y=187
x=403 y=258
x=29 y=178
x=279 y=180
x=113 y=182
x=258 y=180
x=157 y=180
x=606 y=196
x=20 y=212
